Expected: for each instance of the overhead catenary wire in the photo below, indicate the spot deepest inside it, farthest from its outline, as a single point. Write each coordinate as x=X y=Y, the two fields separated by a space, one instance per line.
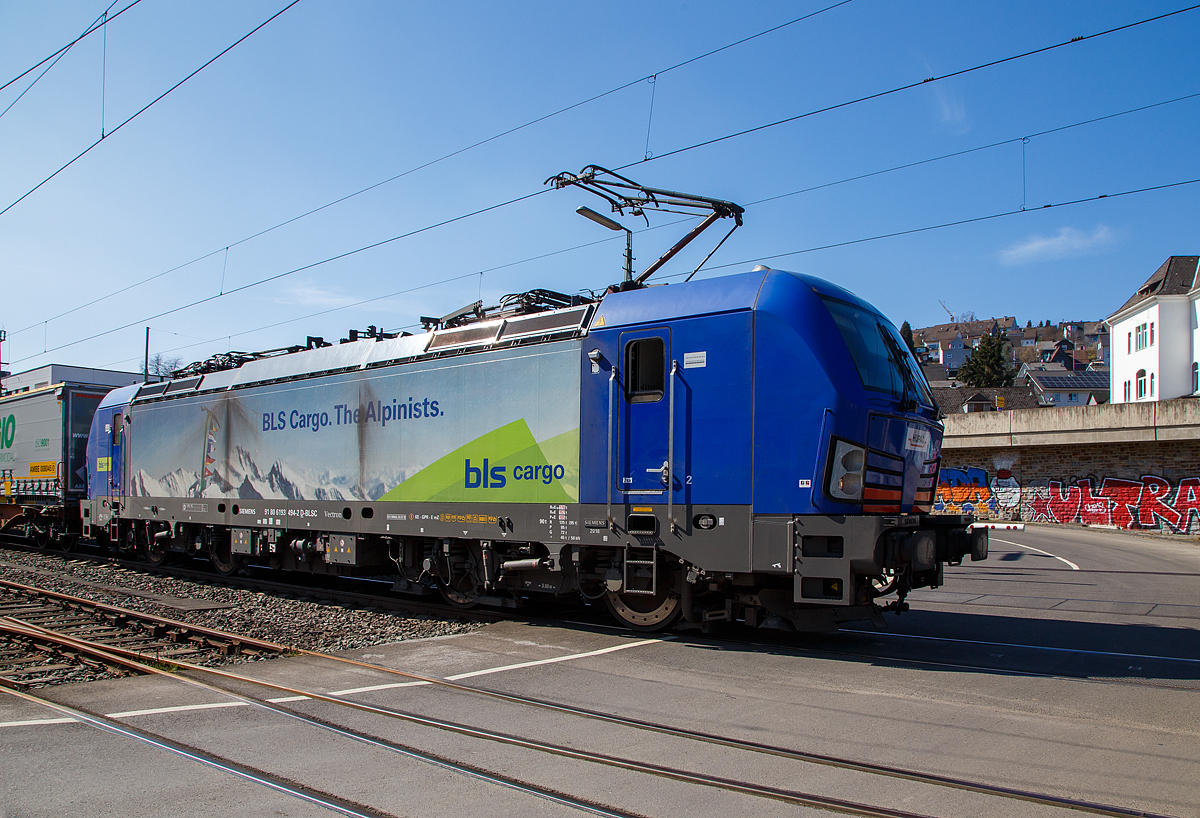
x=734 y=135
x=286 y=273
x=753 y=203
x=957 y=223
x=147 y=106
x=100 y=22
x=810 y=189
x=908 y=86
x=975 y=149
x=412 y=289
x=62 y=53
x=757 y=259
x=537 y=120
x=443 y=158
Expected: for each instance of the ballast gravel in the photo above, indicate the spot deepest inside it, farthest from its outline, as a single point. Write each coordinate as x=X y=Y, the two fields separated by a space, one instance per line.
x=299 y=623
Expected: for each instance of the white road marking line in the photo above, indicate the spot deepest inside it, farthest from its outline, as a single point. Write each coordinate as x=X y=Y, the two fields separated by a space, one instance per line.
x=1074 y=567
x=187 y=707
x=566 y=658
x=178 y=709
x=373 y=688
x=35 y=722
x=552 y=660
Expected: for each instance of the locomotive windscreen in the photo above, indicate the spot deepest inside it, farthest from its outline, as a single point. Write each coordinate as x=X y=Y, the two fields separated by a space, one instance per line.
x=881 y=357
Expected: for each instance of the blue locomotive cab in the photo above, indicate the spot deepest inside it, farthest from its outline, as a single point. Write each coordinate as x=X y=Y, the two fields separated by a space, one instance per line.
x=774 y=432
x=107 y=461
x=880 y=446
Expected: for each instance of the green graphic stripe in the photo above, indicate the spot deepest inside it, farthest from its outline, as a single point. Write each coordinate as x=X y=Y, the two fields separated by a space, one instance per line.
x=512 y=448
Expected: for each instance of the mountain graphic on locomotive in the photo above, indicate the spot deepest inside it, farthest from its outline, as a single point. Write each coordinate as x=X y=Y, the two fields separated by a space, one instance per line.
x=759 y=447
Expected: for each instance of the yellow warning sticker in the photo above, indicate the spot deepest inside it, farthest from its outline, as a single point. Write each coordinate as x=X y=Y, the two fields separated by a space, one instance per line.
x=103 y=464
x=46 y=468
x=470 y=518
x=599 y=322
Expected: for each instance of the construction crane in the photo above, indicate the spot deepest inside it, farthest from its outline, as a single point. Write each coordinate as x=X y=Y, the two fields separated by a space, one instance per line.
x=947 y=309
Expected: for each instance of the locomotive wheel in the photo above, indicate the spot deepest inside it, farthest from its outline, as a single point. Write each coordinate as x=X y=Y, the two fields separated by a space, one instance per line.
x=154 y=549
x=642 y=612
x=463 y=597
x=40 y=536
x=223 y=558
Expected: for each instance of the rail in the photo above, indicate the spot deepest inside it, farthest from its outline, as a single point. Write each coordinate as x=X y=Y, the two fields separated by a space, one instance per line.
x=136 y=660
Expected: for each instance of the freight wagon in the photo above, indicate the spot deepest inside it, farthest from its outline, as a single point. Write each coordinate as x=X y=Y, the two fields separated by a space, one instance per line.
x=43 y=474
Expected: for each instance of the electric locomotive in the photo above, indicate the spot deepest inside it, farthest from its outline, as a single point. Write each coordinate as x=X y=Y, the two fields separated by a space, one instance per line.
x=760 y=447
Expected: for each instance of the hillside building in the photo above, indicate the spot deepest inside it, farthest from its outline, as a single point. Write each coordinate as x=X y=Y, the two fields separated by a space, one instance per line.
x=1155 y=336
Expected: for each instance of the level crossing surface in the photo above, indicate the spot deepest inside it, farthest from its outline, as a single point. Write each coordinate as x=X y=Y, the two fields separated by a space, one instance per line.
x=984 y=679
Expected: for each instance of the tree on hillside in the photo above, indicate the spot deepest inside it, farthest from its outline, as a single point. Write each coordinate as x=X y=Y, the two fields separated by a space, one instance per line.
x=986 y=367
x=163 y=365
x=906 y=334
x=1027 y=355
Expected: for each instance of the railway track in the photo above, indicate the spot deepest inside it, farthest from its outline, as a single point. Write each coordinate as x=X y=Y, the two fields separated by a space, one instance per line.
x=923 y=651
x=256 y=580
x=29 y=659
x=104 y=646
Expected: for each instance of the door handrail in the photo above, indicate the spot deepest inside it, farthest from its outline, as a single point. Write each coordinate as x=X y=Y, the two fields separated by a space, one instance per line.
x=612 y=377
x=670 y=467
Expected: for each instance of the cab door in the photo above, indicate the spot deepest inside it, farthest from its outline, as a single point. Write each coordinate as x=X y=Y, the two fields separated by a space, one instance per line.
x=643 y=471
x=115 y=428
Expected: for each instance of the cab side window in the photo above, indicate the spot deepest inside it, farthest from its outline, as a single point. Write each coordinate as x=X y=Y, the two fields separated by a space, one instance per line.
x=644 y=368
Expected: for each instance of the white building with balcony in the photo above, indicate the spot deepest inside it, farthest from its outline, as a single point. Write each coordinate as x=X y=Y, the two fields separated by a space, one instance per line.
x=1154 y=339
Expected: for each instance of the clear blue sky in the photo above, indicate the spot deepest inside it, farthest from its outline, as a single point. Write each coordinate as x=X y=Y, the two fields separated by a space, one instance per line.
x=333 y=97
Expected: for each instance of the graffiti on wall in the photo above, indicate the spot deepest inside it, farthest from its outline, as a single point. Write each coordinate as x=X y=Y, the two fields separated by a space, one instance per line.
x=1149 y=502
x=971 y=491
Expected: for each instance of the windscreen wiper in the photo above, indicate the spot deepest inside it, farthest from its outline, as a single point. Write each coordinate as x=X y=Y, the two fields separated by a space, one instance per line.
x=894 y=352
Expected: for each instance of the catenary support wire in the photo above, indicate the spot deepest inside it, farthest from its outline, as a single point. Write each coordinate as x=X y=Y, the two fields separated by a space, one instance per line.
x=680 y=150
x=650 y=119
x=145 y=108
x=61 y=53
x=93 y=28
x=849 y=242
x=454 y=153
x=911 y=85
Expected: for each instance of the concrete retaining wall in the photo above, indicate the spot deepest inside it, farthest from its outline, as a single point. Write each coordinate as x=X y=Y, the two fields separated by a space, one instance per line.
x=1124 y=465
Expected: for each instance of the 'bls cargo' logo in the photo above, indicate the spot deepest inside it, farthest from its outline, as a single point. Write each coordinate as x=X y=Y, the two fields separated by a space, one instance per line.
x=478 y=476
x=8 y=432
x=495 y=478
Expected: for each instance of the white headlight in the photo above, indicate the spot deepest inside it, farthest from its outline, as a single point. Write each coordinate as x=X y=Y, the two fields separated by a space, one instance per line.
x=845 y=479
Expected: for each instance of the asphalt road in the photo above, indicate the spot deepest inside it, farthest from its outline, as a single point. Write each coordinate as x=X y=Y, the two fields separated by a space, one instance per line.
x=1073 y=589
x=1068 y=663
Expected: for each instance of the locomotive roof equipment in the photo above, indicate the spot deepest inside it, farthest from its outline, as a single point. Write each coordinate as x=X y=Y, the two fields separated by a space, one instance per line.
x=611 y=187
